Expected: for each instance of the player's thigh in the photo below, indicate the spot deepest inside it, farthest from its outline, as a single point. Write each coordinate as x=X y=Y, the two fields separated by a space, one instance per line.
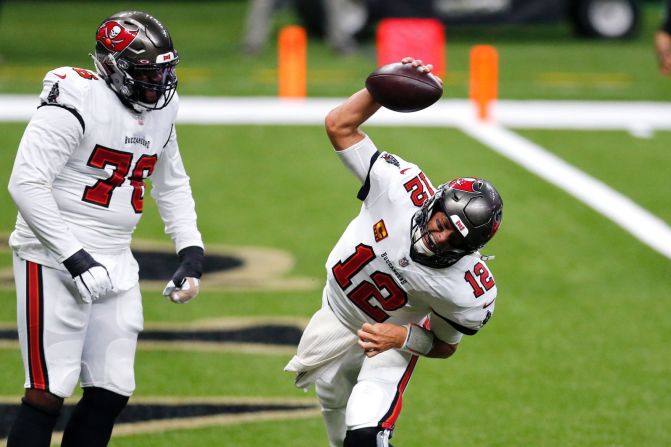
x=109 y=351
x=52 y=323
x=336 y=383
x=377 y=396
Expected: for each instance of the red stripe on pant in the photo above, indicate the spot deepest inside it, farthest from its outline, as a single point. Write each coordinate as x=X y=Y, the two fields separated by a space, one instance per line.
x=389 y=420
x=35 y=327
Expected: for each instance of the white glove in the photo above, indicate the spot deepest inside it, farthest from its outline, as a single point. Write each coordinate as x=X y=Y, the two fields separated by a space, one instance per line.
x=94 y=283
x=183 y=293
x=91 y=277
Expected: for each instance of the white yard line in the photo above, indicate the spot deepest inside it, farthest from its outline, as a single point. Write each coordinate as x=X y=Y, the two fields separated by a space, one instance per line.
x=646 y=227
x=636 y=117
x=450 y=113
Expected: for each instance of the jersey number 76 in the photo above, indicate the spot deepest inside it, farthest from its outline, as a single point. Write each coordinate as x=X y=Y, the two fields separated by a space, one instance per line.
x=101 y=193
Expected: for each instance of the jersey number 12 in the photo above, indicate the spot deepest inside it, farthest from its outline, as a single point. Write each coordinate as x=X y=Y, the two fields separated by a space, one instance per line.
x=363 y=293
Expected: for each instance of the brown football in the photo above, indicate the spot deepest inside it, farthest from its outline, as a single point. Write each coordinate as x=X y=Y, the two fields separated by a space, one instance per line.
x=403 y=88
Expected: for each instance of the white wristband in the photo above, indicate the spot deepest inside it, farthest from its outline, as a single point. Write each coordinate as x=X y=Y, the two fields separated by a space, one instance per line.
x=418 y=340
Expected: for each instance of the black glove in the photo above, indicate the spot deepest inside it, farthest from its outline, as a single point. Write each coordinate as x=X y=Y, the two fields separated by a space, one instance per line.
x=185 y=283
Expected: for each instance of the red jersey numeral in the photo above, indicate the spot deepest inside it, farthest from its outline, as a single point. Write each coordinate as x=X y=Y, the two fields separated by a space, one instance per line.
x=343 y=271
x=419 y=188
x=482 y=283
x=363 y=293
x=143 y=169
x=101 y=157
x=101 y=192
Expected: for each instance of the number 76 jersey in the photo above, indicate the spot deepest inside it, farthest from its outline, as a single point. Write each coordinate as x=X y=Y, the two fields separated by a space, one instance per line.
x=371 y=277
x=88 y=156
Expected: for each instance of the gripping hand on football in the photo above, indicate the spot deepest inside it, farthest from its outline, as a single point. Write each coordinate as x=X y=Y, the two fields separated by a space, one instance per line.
x=419 y=65
x=185 y=282
x=91 y=277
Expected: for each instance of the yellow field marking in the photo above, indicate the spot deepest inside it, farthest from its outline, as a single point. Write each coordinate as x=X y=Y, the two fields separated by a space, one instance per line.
x=39 y=71
x=560 y=79
x=229 y=323
x=226 y=323
x=194 y=400
x=242 y=348
x=262 y=269
x=187 y=423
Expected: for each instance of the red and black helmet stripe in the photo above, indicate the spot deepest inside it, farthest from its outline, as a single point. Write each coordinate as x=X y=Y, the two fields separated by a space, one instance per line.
x=37 y=365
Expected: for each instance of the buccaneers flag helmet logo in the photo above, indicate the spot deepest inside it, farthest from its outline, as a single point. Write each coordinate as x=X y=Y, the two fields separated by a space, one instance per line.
x=114 y=36
x=466 y=184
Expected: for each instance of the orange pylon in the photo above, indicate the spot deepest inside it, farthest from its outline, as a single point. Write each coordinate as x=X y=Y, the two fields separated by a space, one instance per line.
x=292 y=62
x=484 y=78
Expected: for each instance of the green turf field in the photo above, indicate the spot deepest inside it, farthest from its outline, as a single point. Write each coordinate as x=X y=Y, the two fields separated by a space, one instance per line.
x=577 y=354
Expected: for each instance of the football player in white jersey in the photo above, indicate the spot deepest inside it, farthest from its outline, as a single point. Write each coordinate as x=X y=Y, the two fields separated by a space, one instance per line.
x=78 y=184
x=405 y=279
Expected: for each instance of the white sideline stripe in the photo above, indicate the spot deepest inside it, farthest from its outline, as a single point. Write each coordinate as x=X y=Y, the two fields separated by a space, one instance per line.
x=448 y=112
x=630 y=116
x=646 y=227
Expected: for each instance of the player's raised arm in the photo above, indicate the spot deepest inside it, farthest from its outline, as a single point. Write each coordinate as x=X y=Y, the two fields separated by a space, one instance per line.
x=342 y=123
x=407 y=86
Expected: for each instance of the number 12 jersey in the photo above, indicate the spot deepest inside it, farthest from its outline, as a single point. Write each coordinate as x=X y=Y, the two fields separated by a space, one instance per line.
x=371 y=276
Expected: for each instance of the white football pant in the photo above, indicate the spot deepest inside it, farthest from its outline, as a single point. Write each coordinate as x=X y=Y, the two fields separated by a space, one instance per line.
x=64 y=340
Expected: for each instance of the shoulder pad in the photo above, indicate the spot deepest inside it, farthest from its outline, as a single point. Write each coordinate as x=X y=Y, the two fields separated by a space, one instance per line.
x=472 y=292
x=67 y=87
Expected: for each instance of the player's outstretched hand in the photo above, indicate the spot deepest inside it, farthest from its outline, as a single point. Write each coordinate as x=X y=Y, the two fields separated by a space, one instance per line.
x=91 y=277
x=185 y=282
x=380 y=337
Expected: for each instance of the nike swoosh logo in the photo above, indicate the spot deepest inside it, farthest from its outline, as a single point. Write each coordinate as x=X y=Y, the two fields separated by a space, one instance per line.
x=61 y=76
x=403 y=171
x=489 y=304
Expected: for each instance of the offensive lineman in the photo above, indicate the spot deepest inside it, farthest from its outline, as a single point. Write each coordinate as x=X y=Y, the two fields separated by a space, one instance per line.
x=78 y=183
x=405 y=279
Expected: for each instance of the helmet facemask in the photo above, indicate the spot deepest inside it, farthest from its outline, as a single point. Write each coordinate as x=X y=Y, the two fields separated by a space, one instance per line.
x=153 y=86
x=424 y=249
x=473 y=209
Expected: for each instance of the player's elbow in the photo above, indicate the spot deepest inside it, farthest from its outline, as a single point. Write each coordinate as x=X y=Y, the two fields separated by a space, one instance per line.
x=442 y=350
x=337 y=127
x=21 y=187
x=15 y=188
x=332 y=124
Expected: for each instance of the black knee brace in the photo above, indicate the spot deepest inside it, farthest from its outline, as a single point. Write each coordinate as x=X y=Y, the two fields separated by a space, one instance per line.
x=365 y=437
x=93 y=418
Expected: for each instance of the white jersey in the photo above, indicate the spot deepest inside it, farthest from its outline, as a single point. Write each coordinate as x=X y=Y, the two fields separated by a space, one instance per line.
x=371 y=276
x=78 y=178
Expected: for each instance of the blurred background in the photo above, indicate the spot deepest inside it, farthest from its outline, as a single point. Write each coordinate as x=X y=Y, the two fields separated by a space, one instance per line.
x=577 y=354
x=546 y=47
